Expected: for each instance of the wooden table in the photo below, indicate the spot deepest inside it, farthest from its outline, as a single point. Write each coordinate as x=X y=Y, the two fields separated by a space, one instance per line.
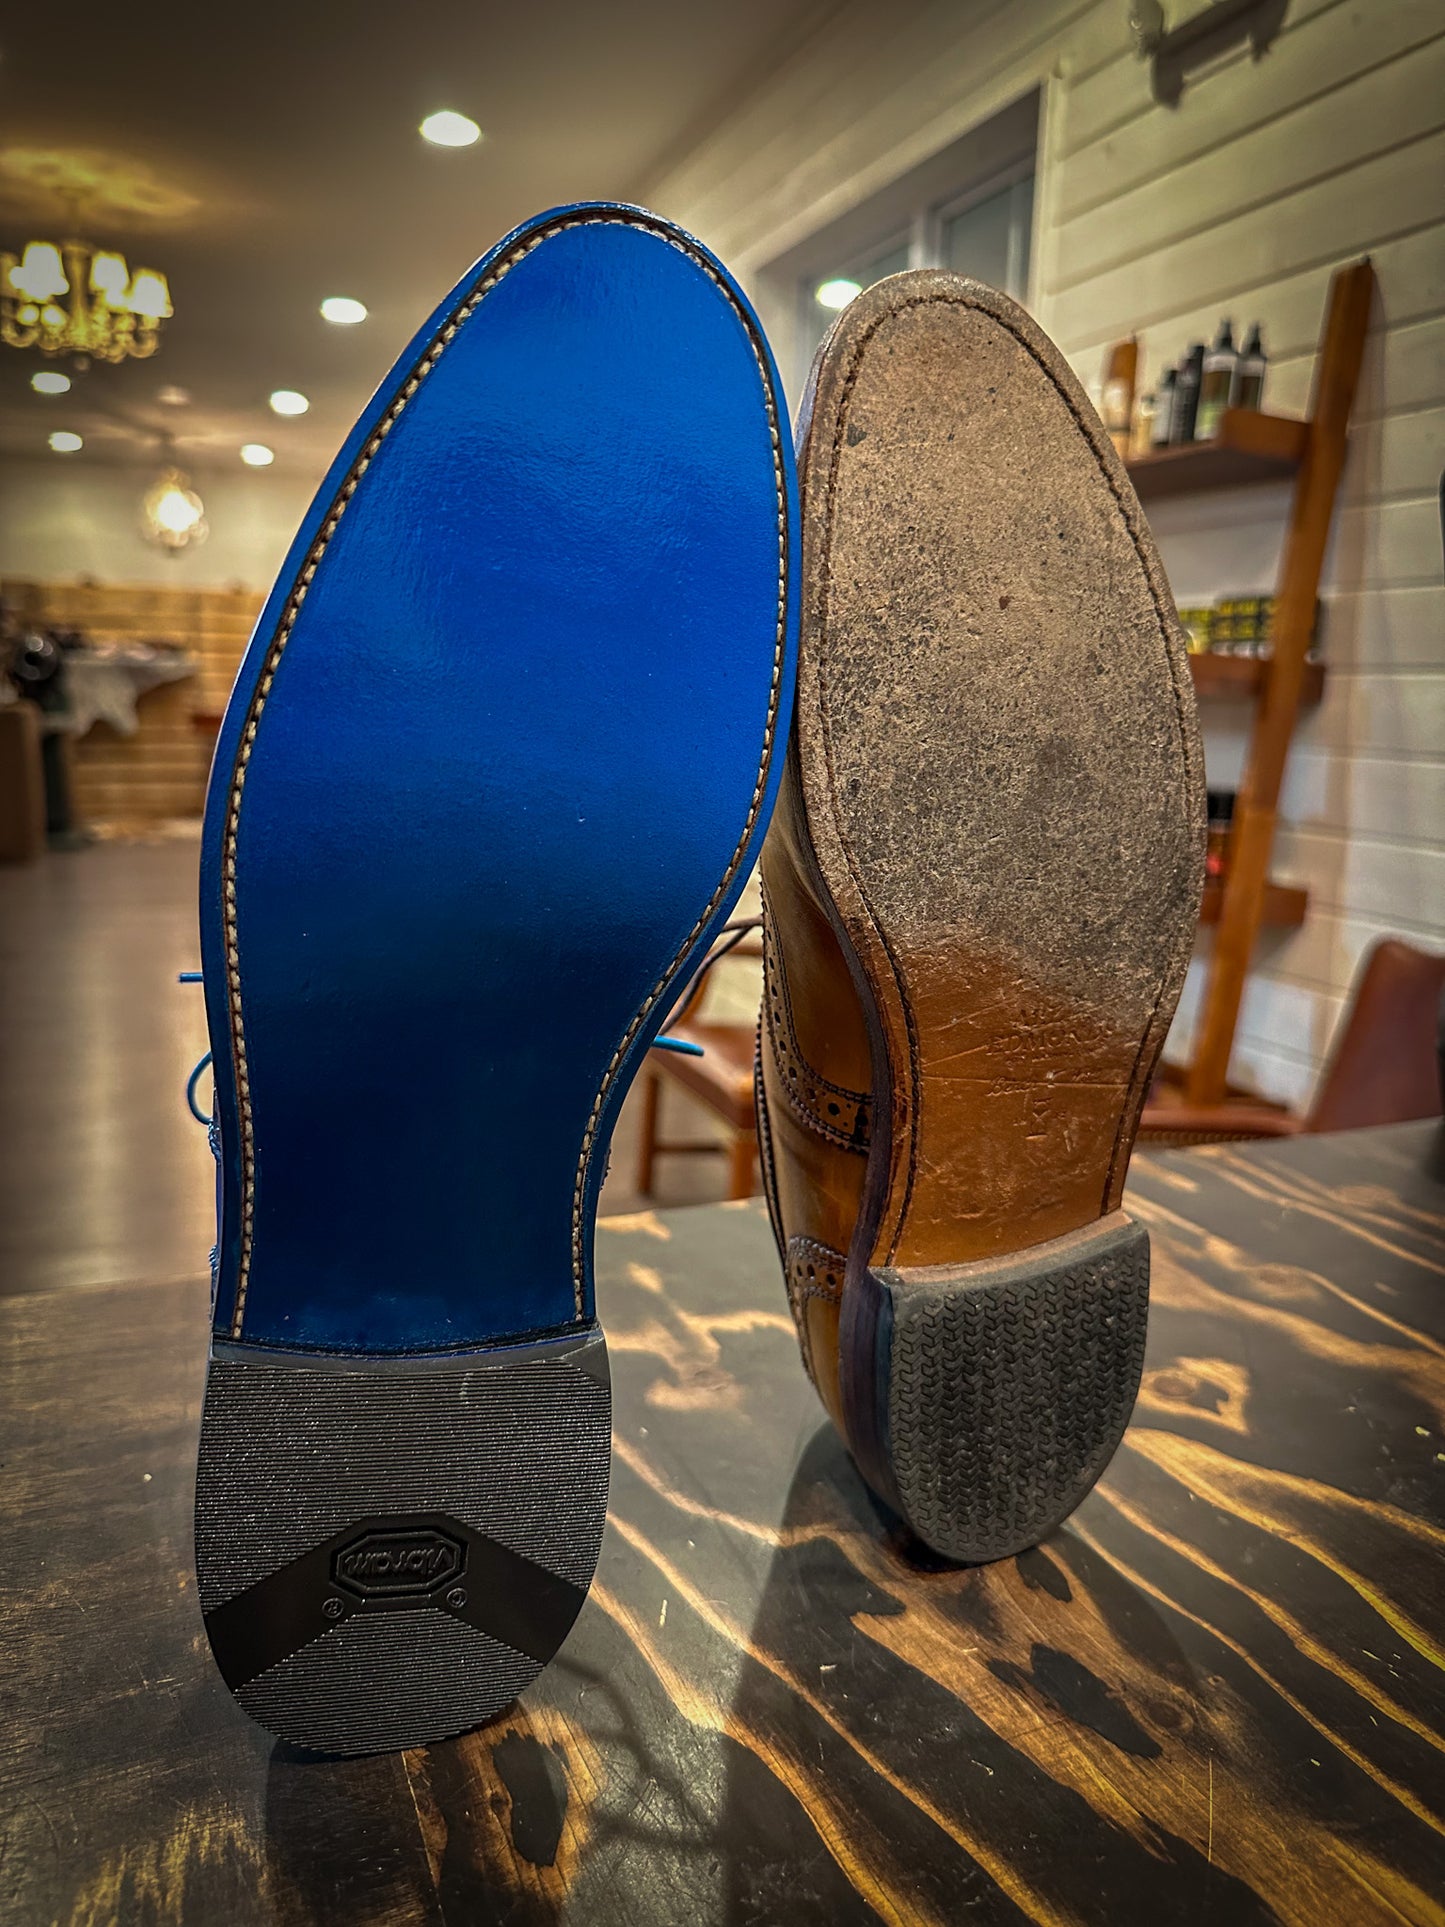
x=1213 y=1696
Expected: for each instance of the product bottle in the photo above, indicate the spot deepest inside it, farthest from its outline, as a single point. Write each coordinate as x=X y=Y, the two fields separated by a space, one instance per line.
x=1186 y=395
x=1145 y=417
x=1220 y=806
x=1216 y=384
x=1164 y=408
x=1249 y=373
x=1118 y=401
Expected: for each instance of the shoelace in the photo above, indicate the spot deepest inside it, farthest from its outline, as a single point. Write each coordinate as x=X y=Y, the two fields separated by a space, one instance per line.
x=683 y=1045
x=201 y=1117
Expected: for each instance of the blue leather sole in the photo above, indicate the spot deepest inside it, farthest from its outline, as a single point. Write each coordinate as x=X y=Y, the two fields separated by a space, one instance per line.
x=492 y=774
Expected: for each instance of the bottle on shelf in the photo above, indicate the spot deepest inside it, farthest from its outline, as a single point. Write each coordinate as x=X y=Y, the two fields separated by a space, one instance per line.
x=1249 y=372
x=1216 y=384
x=1186 y=396
x=1197 y=624
x=1164 y=408
x=1117 y=408
x=1145 y=419
x=1220 y=813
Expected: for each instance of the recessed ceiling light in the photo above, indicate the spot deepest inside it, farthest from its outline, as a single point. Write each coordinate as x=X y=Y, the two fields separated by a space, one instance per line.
x=341 y=309
x=169 y=396
x=64 y=443
x=837 y=294
x=50 y=381
x=447 y=129
x=286 y=401
x=257 y=455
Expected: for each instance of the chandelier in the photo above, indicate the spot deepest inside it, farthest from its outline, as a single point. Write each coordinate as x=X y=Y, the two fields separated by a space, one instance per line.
x=173 y=516
x=111 y=314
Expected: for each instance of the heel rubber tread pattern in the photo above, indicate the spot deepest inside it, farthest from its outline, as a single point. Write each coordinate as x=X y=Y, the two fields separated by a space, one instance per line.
x=1010 y=1386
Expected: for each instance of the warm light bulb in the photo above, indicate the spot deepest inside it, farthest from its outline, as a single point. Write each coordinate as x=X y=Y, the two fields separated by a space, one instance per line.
x=149 y=296
x=173 y=515
x=41 y=272
x=447 y=129
x=109 y=276
x=65 y=443
x=837 y=293
x=257 y=455
x=286 y=401
x=341 y=309
x=50 y=381
x=176 y=510
x=52 y=316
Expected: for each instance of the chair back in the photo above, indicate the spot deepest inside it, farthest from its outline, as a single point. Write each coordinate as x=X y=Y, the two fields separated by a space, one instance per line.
x=1385 y=1067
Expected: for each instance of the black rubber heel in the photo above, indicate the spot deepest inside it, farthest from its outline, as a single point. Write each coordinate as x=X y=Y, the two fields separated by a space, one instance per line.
x=1005 y=1386
x=389 y=1550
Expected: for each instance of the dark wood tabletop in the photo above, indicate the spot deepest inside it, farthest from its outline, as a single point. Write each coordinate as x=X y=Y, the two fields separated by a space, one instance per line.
x=1214 y=1695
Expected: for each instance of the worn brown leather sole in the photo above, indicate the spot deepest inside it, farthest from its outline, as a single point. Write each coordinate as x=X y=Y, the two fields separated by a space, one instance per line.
x=999 y=765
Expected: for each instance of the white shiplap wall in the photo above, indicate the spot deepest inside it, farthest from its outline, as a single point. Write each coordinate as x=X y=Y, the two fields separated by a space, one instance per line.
x=1241 y=201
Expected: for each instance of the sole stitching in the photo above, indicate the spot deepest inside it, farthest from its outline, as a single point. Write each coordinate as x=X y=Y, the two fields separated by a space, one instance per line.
x=276 y=649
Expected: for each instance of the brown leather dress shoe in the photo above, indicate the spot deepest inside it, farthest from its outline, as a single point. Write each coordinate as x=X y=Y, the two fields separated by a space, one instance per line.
x=980 y=891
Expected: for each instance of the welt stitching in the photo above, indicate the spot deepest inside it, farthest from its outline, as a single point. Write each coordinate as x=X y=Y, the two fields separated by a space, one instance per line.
x=277 y=648
x=1165 y=618
x=769 y=730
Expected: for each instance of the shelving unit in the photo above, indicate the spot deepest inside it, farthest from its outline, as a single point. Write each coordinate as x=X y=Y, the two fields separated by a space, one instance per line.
x=1245 y=676
x=1250 y=447
x=1254 y=447
x=1282 y=908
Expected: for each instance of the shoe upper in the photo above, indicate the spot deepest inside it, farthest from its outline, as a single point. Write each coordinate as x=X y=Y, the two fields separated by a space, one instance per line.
x=814 y=1090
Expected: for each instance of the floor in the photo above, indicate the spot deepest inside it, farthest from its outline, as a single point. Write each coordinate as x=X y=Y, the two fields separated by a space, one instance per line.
x=105 y=1178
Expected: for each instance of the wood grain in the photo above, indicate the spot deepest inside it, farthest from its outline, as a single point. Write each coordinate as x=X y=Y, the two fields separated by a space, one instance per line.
x=1214 y=1695
x=1248 y=898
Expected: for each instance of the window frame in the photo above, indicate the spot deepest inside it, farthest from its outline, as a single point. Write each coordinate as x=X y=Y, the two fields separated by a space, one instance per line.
x=922 y=236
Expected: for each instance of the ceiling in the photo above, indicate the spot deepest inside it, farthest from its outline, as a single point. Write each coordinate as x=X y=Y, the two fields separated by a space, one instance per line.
x=266 y=157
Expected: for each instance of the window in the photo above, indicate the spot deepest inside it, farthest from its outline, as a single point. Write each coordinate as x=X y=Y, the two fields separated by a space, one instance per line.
x=989 y=238
x=984 y=234
x=968 y=207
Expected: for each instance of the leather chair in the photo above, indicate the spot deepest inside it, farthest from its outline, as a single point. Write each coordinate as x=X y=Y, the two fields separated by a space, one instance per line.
x=1384 y=1068
x=721 y=1080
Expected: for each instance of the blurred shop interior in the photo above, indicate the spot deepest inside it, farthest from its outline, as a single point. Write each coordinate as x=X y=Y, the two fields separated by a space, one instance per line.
x=217 y=234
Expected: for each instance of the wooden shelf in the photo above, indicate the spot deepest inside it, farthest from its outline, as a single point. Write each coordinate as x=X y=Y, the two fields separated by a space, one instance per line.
x=1284 y=905
x=1264 y=448
x=1251 y=447
x=1244 y=676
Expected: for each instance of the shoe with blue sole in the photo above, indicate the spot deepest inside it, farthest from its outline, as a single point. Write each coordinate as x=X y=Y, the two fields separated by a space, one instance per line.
x=494 y=770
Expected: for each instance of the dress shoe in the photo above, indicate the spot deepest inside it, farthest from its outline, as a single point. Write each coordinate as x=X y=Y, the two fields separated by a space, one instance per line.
x=493 y=772
x=980 y=889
